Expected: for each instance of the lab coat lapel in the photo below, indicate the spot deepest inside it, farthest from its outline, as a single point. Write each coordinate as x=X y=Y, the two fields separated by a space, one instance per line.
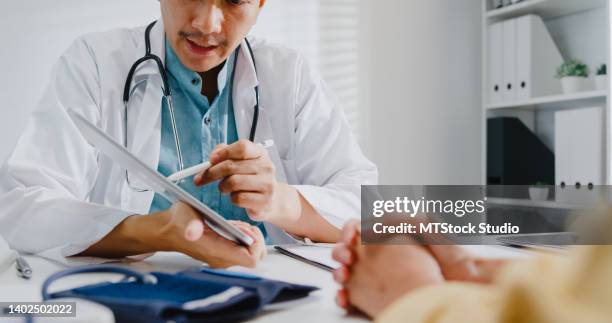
x=149 y=68
x=144 y=109
x=243 y=91
x=144 y=115
x=244 y=98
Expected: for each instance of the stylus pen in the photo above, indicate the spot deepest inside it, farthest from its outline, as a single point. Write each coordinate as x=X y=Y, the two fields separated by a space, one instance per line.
x=193 y=170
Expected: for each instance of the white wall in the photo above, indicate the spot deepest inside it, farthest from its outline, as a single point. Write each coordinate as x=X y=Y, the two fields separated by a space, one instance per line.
x=424 y=90
x=293 y=23
x=419 y=81
x=34 y=33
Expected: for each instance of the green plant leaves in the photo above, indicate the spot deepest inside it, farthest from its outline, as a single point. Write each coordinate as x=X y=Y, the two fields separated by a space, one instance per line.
x=602 y=69
x=572 y=67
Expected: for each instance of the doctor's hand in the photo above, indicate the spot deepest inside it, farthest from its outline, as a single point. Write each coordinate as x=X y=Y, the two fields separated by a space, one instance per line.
x=184 y=231
x=247 y=174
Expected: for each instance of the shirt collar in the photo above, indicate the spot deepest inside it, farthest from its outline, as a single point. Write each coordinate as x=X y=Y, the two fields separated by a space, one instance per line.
x=245 y=72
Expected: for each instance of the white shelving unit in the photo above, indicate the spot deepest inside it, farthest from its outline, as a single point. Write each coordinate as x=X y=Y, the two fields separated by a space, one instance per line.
x=563 y=15
x=559 y=101
x=544 y=8
x=535 y=204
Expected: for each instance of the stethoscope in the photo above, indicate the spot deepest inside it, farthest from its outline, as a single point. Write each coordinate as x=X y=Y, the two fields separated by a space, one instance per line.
x=167 y=95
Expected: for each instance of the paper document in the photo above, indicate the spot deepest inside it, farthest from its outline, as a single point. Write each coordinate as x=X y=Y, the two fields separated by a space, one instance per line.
x=316 y=255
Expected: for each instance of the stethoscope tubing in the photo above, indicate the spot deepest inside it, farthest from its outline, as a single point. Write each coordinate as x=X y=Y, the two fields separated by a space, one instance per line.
x=168 y=94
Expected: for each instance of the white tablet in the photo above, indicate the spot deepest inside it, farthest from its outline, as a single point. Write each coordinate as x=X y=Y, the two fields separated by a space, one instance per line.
x=160 y=184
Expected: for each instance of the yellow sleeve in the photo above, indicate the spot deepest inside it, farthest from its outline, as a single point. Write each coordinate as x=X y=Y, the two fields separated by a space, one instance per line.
x=548 y=289
x=449 y=302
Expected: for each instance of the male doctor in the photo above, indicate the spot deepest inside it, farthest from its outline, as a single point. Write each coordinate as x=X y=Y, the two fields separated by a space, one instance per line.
x=60 y=196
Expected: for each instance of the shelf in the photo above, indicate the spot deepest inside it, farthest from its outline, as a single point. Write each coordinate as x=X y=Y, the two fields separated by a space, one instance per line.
x=544 y=8
x=536 y=204
x=561 y=101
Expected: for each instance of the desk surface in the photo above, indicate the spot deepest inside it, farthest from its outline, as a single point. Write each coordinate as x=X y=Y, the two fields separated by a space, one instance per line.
x=320 y=307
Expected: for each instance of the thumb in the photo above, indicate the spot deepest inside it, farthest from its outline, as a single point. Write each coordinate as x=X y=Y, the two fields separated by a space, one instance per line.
x=194 y=230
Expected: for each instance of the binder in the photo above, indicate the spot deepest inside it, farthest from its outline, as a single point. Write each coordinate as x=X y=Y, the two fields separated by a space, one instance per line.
x=495 y=66
x=509 y=60
x=579 y=137
x=537 y=59
x=522 y=60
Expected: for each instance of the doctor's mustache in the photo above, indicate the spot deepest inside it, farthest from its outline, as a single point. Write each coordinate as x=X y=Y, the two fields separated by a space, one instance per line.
x=208 y=40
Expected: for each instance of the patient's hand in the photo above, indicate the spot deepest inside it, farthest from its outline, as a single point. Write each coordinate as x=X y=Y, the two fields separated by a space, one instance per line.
x=458 y=264
x=373 y=277
x=379 y=275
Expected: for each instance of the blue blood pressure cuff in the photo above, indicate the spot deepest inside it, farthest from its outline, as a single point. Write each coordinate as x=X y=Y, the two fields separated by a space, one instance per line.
x=198 y=295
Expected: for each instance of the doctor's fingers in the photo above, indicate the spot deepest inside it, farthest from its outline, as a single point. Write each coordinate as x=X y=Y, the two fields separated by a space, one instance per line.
x=233 y=167
x=231 y=255
x=255 y=203
x=241 y=149
x=217 y=148
x=257 y=249
x=220 y=252
x=250 y=183
x=244 y=227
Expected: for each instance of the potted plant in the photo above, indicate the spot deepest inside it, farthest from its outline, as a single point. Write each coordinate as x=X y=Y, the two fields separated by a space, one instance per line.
x=601 y=79
x=573 y=74
x=539 y=192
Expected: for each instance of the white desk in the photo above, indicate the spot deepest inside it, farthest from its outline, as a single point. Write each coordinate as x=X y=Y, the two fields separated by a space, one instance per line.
x=320 y=307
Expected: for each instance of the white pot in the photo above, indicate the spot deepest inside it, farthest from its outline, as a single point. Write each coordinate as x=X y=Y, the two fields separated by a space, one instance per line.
x=573 y=84
x=538 y=193
x=601 y=82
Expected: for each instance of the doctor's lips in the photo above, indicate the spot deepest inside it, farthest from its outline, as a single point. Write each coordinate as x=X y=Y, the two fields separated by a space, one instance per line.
x=198 y=49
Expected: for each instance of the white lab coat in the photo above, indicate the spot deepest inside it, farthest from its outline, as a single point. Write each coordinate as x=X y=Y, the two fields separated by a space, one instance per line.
x=59 y=195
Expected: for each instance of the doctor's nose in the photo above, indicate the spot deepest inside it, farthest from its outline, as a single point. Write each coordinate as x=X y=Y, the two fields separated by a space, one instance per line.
x=208 y=18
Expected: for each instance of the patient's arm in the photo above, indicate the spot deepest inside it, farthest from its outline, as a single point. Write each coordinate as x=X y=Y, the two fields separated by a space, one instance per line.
x=379 y=275
x=373 y=277
x=458 y=264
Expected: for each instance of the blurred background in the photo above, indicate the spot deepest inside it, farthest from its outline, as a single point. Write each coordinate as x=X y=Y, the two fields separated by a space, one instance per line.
x=415 y=76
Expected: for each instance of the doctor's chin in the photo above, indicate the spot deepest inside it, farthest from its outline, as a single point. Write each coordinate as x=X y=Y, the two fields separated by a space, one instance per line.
x=306 y=161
